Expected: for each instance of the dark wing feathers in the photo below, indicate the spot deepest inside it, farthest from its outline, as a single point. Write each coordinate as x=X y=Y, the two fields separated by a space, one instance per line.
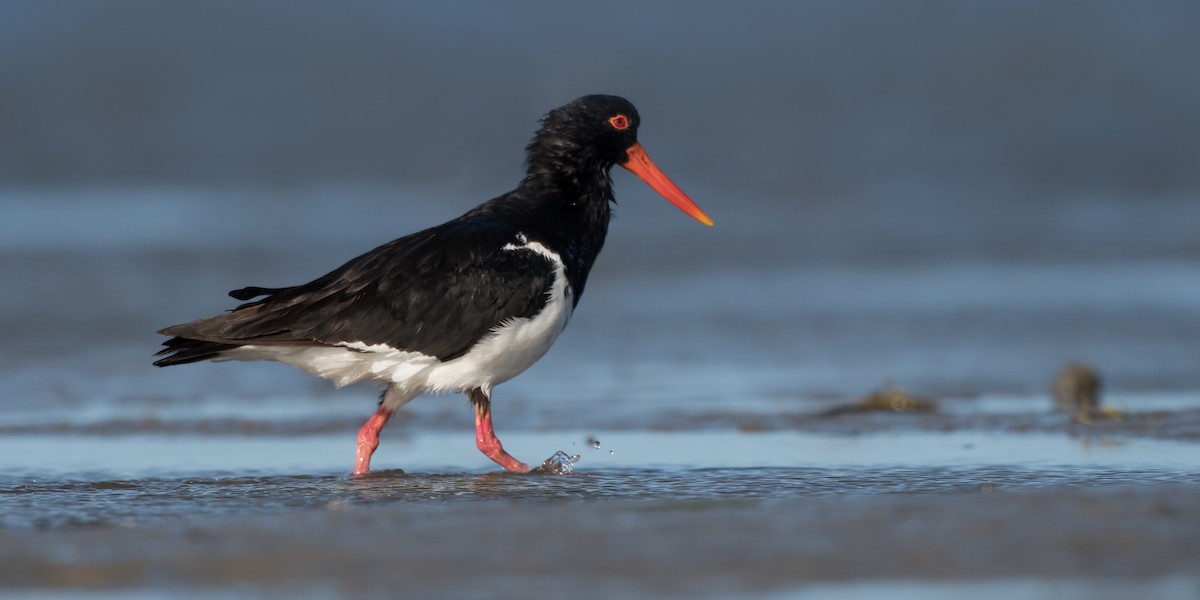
x=436 y=292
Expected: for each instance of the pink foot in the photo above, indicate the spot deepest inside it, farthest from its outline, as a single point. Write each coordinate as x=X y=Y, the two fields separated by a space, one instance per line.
x=487 y=441
x=368 y=440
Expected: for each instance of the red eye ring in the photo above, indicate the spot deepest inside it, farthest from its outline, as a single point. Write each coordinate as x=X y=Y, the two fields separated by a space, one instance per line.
x=619 y=122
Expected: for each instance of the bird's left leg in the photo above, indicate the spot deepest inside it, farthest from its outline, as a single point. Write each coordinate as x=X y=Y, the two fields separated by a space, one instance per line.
x=368 y=439
x=486 y=439
x=393 y=398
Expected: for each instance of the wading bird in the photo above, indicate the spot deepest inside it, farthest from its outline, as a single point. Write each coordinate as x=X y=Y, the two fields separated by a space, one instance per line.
x=463 y=306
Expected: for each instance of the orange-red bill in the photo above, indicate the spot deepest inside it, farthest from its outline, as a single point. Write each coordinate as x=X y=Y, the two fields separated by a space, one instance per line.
x=639 y=164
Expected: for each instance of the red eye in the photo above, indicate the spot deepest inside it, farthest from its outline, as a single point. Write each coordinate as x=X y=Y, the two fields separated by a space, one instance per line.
x=619 y=122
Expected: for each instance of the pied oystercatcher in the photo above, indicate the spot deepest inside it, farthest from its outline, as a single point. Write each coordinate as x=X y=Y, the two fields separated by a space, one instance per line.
x=462 y=306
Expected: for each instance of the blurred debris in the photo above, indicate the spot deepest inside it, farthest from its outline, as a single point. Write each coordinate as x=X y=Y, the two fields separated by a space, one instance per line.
x=891 y=399
x=1077 y=388
x=1076 y=391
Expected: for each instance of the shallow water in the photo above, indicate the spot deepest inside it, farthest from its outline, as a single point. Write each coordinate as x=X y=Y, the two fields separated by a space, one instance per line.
x=140 y=479
x=65 y=503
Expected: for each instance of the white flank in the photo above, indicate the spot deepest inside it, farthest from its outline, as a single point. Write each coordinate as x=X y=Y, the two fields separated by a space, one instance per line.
x=504 y=353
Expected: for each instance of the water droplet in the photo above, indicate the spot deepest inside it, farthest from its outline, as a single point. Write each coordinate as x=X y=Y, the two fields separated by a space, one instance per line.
x=610 y=451
x=593 y=442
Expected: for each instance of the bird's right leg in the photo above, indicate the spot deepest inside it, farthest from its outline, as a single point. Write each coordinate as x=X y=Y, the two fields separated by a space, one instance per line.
x=486 y=439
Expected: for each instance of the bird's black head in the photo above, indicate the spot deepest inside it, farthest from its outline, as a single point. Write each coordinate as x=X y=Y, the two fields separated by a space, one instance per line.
x=580 y=141
x=592 y=132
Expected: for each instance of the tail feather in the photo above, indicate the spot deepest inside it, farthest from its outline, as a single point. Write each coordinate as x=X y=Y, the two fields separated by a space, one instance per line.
x=180 y=350
x=208 y=338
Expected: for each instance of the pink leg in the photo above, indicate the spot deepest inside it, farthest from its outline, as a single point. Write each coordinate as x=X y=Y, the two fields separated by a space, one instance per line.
x=368 y=440
x=486 y=439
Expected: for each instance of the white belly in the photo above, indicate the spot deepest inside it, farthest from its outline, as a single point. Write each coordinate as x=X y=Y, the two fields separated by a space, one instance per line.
x=504 y=353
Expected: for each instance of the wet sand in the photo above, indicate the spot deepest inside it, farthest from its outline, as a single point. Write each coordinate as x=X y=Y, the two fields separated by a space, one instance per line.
x=708 y=548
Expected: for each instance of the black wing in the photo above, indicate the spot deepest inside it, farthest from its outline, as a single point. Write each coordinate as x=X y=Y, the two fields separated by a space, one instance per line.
x=436 y=292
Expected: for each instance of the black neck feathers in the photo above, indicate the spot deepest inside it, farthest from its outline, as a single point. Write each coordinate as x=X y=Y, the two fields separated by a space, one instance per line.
x=565 y=200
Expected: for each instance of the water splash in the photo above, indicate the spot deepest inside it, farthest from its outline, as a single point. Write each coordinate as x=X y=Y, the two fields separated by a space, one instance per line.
x=560 y=463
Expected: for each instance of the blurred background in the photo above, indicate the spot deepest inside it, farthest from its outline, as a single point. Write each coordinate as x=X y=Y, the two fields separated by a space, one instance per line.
x=956 y=197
